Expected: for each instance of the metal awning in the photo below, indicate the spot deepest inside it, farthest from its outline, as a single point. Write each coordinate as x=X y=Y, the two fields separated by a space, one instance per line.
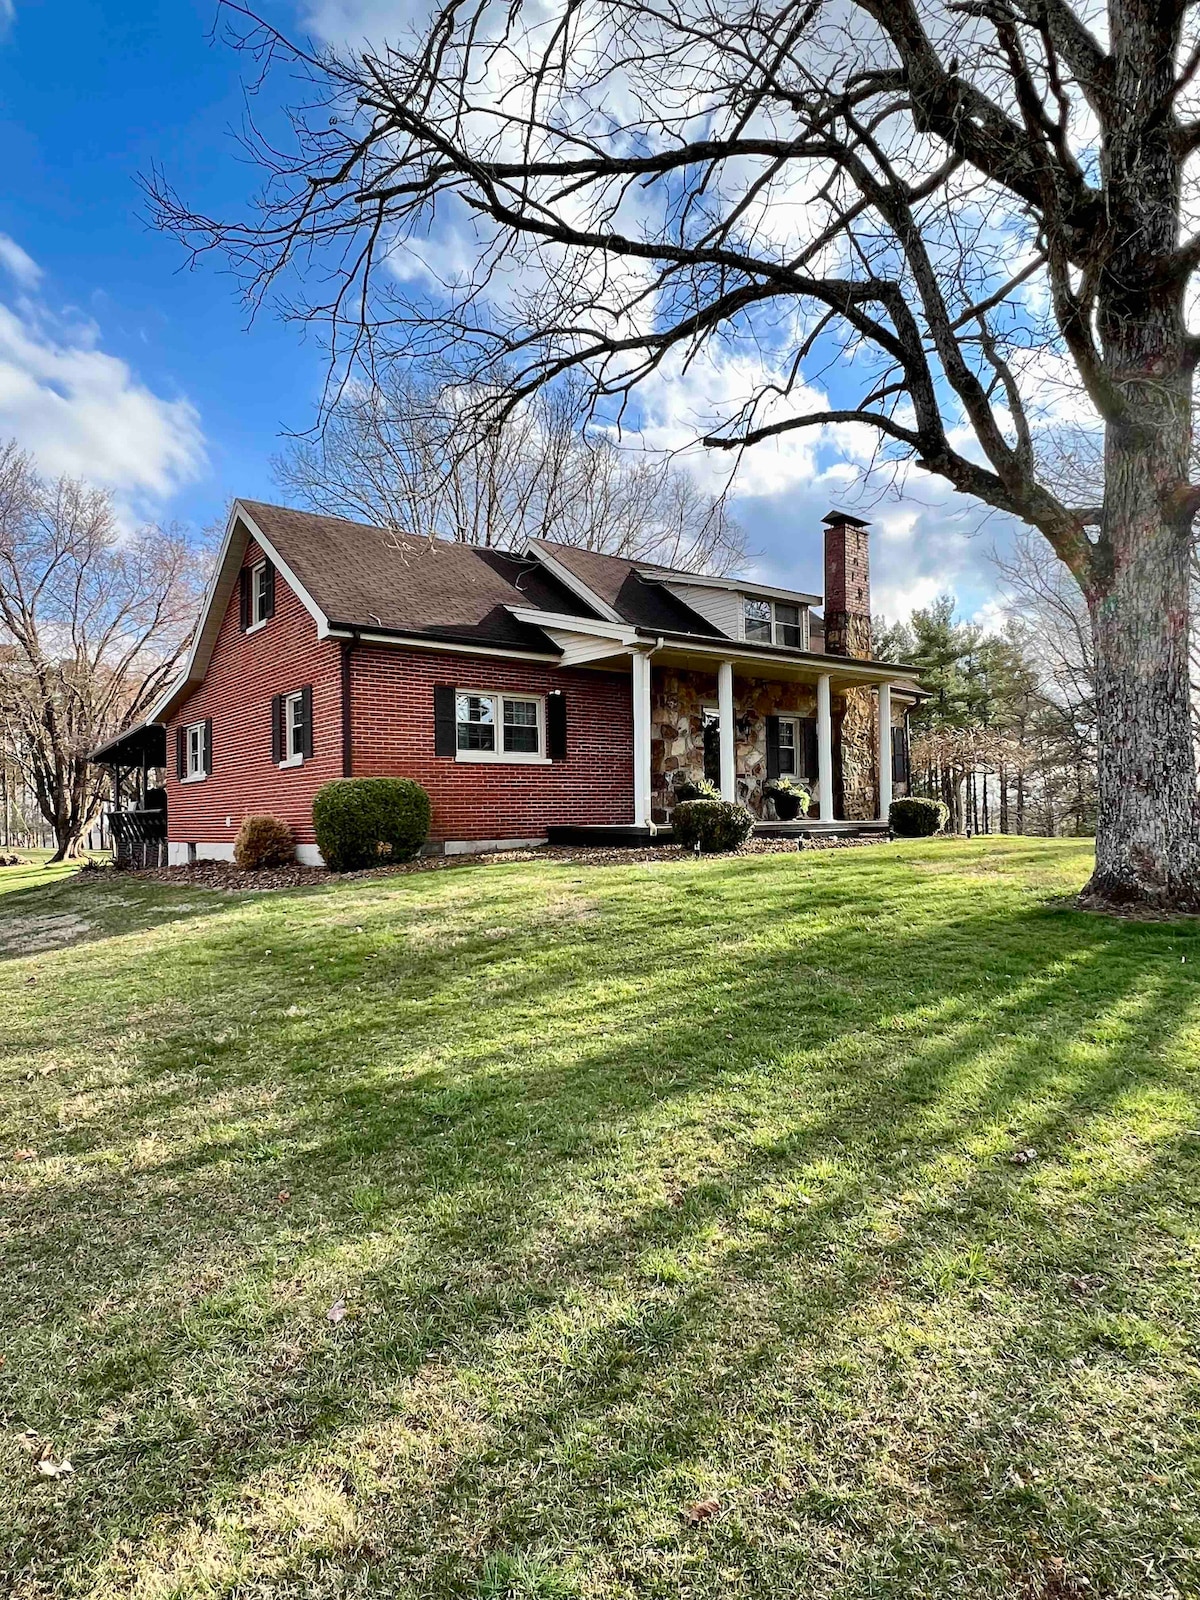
x=143 y=746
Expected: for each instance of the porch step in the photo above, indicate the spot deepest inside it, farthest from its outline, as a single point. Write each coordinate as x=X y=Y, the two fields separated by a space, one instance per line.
x=809 y=828
x=600 y=835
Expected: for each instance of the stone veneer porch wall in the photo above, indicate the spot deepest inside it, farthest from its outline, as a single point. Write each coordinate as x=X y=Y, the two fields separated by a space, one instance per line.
x=677 y=700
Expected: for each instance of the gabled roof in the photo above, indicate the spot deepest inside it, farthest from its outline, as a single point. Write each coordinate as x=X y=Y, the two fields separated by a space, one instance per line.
x=628 y=588
x=368 y=578
x=353 y=578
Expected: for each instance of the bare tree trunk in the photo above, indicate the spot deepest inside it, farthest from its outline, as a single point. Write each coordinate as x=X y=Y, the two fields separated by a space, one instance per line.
x=1147 y=842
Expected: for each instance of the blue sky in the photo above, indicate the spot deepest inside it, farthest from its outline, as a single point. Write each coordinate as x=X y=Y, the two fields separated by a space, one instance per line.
x=119 y=363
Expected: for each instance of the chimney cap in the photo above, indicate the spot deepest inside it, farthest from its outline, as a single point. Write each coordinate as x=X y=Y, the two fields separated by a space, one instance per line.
x=837 y=519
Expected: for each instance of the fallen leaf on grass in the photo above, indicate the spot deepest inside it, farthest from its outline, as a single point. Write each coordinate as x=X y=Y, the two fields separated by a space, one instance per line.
x=336 y=1312
x=284 y=1196
x=47 y=1467
x=1022 y=1158
x=702 y=1511
x=24 y=1155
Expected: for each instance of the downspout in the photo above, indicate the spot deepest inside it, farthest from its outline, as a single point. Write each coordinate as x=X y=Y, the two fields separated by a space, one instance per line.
x=348 y=646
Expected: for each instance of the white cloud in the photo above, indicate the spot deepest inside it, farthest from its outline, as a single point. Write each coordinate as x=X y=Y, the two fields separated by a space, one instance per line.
x=84 y=412
x=19 y=265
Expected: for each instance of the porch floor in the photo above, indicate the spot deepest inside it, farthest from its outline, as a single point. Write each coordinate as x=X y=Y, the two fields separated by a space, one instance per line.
x=629 y=834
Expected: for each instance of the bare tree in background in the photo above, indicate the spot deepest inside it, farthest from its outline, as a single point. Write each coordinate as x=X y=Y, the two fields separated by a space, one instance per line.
x=967 y=207
x=92 y=627
x=409 y=453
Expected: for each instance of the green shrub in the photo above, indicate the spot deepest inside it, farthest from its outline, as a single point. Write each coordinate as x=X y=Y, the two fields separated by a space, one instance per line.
x=713 y=824
x=917 y=819
x=688 y=788
x=263 y=842
x=360 y=822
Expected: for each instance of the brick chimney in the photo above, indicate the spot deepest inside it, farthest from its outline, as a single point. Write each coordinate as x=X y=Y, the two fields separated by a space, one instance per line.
x=847 y=585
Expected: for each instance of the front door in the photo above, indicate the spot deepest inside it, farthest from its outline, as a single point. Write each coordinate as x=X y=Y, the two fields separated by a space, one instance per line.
x=712 y=744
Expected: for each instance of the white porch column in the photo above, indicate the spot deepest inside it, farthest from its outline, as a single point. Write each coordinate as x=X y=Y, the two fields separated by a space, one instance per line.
x=824 y=749
x=728 y=731
x=885 y=750
x=641 y=740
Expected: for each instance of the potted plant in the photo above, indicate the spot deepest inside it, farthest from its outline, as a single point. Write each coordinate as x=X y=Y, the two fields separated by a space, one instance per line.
x=788 y=797
x=686 y=787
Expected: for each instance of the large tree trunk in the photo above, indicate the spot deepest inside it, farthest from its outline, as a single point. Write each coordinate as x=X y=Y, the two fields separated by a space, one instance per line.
x=1148 y=826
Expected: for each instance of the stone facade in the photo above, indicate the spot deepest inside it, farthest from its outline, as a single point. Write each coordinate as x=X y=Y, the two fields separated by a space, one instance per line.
x=677 y=702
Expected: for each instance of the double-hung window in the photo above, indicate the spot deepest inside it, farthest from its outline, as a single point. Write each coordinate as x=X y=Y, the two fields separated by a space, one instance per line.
x=758 y=619
x=195 y=751
x=293 y=729
x=773 y=622
x=499 y=727
x=257 y=596
x=789 y=626
x=789 y=747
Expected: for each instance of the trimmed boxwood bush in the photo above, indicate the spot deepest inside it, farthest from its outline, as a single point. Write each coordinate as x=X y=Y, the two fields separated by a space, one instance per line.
x=913 y=818
x=263 y=842
x=716 y=824
x=687 y=788
x=360 y=822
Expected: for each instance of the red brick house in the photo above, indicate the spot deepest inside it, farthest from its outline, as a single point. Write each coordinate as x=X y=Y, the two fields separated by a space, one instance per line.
x=545 y=693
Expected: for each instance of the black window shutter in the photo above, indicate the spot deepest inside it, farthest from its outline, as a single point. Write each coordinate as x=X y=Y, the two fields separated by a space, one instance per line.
x=244 y=597
x=207 y=745
x=556 y=726
x=181 y=752
x=772 y=747
x=306 y=726
x=277 y=729
x=268 y=589
x=808 y=745
x=899 y=755
x=444 y=733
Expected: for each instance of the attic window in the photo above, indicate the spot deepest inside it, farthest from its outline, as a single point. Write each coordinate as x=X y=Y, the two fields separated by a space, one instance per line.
x=774 y=622
x=758 y=619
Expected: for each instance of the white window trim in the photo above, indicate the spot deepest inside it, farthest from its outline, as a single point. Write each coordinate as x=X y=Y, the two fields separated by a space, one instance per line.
x=501 y=757
x=200 y=775
x=256 y=622
x=794 y=747
x=296 y=759
x=774 y=640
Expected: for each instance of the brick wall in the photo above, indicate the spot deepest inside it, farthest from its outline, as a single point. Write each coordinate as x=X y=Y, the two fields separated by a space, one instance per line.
x=847 y=590
x=246 y=671
x=393 y=735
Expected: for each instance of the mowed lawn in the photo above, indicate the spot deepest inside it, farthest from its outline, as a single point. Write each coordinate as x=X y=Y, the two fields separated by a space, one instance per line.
x=852 y=1198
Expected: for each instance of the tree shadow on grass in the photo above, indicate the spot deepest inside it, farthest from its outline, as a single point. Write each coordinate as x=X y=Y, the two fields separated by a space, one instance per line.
x=583 y=1289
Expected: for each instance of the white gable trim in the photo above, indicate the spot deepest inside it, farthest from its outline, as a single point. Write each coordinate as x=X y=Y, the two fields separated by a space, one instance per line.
x=535 y=547
x=216 y=603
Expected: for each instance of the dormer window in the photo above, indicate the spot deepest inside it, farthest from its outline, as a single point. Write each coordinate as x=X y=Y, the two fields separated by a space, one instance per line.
x=774 y=622
x=758 y=619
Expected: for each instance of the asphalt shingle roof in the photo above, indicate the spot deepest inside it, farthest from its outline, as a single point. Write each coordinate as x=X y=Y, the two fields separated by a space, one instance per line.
x=366 y=577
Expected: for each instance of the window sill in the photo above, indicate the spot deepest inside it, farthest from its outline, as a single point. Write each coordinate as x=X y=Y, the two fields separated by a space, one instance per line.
x=194 y=777
x=292 y=761
x=255 y=626
x=487 y=758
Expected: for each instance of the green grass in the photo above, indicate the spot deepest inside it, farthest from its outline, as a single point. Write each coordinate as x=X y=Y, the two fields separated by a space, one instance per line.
x=641 y=1185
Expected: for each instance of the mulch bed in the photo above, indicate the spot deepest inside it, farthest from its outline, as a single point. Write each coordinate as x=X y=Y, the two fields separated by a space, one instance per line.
x=223 y=875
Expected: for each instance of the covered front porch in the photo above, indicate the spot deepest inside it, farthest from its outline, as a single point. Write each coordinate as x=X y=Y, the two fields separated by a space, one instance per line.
x=742 y=715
